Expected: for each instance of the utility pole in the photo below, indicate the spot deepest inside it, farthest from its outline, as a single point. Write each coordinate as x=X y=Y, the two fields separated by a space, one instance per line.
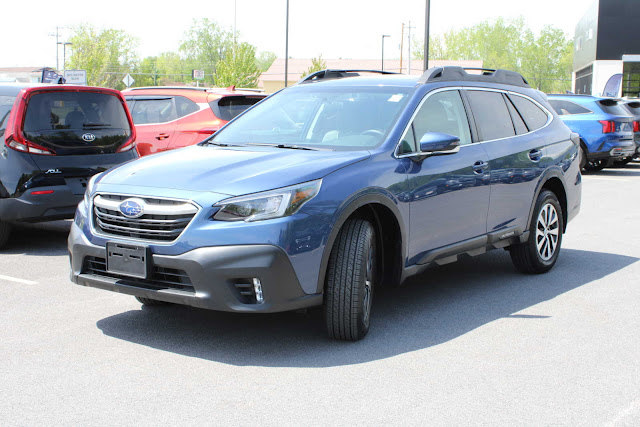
x=57 y=36
x=64 y=55
x=401 y=46
x=409 y=49
x=426 y=34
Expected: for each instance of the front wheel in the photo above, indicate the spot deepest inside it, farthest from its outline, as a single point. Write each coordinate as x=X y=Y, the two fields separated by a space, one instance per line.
x=5 y=231
x=540 y=252
x=351 y=275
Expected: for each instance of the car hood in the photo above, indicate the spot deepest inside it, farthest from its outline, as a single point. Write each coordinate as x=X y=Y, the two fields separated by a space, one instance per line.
x=230 y=170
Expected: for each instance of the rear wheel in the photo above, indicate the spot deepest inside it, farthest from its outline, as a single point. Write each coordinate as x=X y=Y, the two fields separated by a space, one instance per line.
x=150 y=302
x=5 y=231
x=351 y=276
x=540 y=252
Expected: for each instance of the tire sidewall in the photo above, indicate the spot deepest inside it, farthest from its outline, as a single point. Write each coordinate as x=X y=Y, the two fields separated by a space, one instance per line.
x=545 y=198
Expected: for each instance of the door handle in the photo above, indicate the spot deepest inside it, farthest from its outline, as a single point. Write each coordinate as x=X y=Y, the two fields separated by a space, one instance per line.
x=479 y=167
x=535 y=155
x=162 y=136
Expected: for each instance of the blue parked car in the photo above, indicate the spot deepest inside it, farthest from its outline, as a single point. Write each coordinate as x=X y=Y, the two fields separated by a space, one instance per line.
x=633 y=106
x=605 y=127
x=328 y=189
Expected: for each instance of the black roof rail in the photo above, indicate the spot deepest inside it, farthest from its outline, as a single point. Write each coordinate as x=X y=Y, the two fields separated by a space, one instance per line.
x=338 y=74
x=488 y=75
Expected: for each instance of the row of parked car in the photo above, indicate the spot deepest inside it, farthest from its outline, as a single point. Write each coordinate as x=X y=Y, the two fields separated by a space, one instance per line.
x=315 y=196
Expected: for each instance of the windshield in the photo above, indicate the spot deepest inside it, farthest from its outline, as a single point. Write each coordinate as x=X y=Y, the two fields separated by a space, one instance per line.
x=338 y=118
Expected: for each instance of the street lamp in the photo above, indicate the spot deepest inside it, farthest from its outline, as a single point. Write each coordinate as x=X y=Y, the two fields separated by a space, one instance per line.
x=382 y=65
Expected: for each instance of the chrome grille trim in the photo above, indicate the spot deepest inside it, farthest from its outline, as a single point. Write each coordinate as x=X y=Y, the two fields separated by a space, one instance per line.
x=163 y=220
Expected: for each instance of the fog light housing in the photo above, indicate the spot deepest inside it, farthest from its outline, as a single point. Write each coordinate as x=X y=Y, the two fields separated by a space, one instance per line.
x=257 y=290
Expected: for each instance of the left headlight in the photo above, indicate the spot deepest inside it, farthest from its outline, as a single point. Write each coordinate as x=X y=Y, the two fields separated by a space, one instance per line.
x=269 y=204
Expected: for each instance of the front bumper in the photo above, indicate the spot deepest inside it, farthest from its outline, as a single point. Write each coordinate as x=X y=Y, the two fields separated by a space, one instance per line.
x=215 y=278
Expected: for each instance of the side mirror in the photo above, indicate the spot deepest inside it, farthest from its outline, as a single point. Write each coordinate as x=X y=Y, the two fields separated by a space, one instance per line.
x=434 y=143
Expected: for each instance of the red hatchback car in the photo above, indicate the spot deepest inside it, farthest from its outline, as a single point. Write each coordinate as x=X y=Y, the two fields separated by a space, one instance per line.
x=172 y=117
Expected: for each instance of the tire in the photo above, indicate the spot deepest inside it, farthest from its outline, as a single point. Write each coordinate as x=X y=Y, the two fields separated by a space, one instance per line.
x=5 y=232
x=622 y=162
x=351 y=278
x=595 y=165
x=150 y=302
x=583 y=158
x=540 y=252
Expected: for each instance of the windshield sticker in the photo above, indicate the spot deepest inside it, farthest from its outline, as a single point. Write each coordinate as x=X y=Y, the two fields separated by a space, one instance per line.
x=396 y=98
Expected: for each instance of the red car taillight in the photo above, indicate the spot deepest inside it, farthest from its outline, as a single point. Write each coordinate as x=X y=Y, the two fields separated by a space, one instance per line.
x=19 y=144
x=636 y=126
x=608 y=126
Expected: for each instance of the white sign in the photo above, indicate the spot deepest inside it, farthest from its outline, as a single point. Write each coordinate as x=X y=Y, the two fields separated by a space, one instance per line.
x=128 y=80
x=76 y=77
x=198 y=74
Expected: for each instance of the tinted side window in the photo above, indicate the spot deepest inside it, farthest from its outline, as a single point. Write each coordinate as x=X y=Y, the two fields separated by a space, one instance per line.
x=229 y=107
x=532 y=115
x=146 y=111
x=565 y=108
x=518 y=123
x=185 y=106
x=491 y=114
x=6 y=102
x=443 y=112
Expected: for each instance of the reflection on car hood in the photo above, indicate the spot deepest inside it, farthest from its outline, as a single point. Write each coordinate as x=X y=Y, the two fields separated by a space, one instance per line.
x=230 y=170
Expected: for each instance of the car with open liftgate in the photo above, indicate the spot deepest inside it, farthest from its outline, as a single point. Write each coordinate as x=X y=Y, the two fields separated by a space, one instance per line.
x=55 y=137
x=172 y=117
x=605 y=126
x=331 y=188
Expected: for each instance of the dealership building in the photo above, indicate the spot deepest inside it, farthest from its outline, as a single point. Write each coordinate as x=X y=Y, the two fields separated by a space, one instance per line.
x=606 y=59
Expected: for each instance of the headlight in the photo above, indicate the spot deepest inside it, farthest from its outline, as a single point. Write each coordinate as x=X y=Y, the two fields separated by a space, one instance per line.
x=267 y=205
x=89 y=188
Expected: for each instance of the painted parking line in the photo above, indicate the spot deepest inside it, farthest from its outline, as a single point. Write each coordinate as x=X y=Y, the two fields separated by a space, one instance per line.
x=14 y=279
x=608 y=178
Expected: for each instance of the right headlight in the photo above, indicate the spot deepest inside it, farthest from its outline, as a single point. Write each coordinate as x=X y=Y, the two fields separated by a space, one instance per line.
x=90 y=184
x=267 y=205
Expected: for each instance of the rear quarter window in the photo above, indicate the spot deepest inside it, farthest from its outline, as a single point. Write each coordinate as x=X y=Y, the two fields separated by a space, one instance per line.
x=567 y=108
x=228 y=107
x=533 y=116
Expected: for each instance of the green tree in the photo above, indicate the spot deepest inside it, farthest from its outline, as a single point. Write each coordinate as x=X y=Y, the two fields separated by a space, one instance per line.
x=238 y=67
x=205 y=44
x=107 y=55
x=545 y=61
x=317 y=64
x=264 y=60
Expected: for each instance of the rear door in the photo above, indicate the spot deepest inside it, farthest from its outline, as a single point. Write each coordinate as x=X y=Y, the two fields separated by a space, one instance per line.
x=155 y=121
x=505 y=124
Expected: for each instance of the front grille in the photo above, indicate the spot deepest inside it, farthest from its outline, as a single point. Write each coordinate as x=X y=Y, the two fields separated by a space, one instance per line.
x=161 y=277
x=163 y=220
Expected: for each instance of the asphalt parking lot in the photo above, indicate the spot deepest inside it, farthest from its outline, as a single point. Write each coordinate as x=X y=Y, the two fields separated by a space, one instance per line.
x=468 y=343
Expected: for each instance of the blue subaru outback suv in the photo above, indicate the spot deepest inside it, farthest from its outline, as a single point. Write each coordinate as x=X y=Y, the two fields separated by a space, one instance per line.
x=330 y=188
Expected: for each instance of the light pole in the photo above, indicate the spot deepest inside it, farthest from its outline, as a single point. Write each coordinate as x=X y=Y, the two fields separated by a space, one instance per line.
x=286 y=50
x=426 y=34
x=382 y=64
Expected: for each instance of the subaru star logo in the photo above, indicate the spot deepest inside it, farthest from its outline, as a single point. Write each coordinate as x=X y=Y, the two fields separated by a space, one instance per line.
x=88 y=137
x=132 y=208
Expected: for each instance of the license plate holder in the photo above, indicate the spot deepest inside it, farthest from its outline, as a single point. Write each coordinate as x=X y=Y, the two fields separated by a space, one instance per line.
x=128 y=260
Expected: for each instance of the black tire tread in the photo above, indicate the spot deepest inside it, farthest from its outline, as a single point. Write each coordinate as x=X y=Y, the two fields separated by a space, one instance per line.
x=342 y=300
x=150 y=301
x=5 y=232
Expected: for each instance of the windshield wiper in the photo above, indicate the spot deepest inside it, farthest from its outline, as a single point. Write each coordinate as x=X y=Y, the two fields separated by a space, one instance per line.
x=221 y=144
x=290 y=146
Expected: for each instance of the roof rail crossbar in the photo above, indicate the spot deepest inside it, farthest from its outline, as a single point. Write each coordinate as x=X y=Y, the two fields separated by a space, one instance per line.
x=488 y=75
x=338 y=73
